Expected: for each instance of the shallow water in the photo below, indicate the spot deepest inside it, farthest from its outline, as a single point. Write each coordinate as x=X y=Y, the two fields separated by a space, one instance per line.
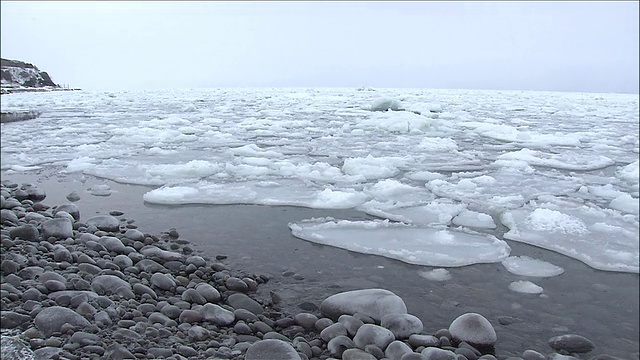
x=602 y=306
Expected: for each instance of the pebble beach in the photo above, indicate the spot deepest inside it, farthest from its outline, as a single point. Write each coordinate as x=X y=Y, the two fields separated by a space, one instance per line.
x=79 y=285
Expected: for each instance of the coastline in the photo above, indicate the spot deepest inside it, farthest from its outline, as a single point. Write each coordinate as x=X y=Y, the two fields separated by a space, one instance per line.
x=255 y=238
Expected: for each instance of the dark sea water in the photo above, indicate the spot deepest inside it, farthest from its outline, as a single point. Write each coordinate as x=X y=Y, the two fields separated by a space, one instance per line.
x=602 y=306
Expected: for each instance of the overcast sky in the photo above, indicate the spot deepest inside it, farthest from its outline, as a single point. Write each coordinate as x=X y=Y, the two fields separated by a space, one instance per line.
x=555 y=46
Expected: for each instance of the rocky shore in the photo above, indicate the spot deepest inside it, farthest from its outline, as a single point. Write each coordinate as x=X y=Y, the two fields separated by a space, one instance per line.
x=99 y=287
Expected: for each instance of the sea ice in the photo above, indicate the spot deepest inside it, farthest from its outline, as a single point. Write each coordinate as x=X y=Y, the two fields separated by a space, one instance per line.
x=436 y=274
x=525 y=287
x=602 y=239
x=410 y=244
x=526 y=266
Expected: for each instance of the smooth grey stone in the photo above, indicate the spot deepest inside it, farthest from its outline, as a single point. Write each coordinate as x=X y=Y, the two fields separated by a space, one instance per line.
x=306 y=320
x=57 y=228
x=571 y=343
x=162 y=281
x=245 y=315
x=474 y=329
x=54 y=285
x=216 y=314
x=210 y=293
x=433 y=353
x=369 y=334
x=242 y=301
x=271 y=349
x=160 y=352
x=108 y=284
x=357 y=354
x=51 y=319
x=104 y=222
x=192 y=296
x=112 y=244
x=11 y=319
x=190 y=316
x=402 y=325
x=26 y=232
x=85 y=338
x=150 y=266
x=198 y=261
x=242 y=329
x=262 y=327
x=339 y=344
x=534 y=355
x=235 y=284
x=117 y=351
x=371 y=302
x=375 y=351
x=323 y=323
x=141 y=289
x=352 y=324
x=171 y=311
x=134 y=234
x=50 y=275
x=155 y=252
x=275 y=335
x=396 y=350
x=416 y=340
x=9 y=267
x=332 y=331
x=8 y=215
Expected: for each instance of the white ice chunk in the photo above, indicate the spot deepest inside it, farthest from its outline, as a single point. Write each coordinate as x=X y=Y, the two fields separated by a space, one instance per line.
x=625 y=203
x=192 y=169
x=630 y=173
x=81 y=164
x=566 y=160
x=437 y=144
x=385 y=103
x=255 y=151
x=437 y=212
x=526 y=266
x=525 y=287
x=436 y=274
x=411 y=244
x=474 y=219
x=402 y=122
x=602 y=239
x=280 y=192
x=372 y=168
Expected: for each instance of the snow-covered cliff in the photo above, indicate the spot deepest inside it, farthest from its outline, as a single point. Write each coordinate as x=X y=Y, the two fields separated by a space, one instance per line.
x=19 y=75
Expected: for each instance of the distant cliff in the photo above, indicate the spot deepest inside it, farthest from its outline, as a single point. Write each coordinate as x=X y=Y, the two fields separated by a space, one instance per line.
x=22 y=76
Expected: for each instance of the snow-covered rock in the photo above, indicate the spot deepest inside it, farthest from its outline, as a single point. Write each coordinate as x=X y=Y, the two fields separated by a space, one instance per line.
x=474 y=329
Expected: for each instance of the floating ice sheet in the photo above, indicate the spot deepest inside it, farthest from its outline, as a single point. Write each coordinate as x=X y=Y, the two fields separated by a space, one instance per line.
x=602 y=239
x=411 y=244
x=525 y=287
x=526 y=266
x=280 y=192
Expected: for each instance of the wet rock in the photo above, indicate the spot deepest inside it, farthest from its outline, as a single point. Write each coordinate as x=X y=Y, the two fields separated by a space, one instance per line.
x=57 y=228
x=571 y=343
x=369 y=334
x=402 y=325
x=51 y=319
x=25 y=232
x=242 y=301
x=474 y=329
x=271 y=349
x=104 y=222
x=371 y=302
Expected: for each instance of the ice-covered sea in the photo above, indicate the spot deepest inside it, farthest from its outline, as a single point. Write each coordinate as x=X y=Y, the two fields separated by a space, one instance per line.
x=522 y=206
x=453 y=177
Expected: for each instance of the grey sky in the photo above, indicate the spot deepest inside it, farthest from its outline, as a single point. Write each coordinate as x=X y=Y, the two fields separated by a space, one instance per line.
x=555 y=46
